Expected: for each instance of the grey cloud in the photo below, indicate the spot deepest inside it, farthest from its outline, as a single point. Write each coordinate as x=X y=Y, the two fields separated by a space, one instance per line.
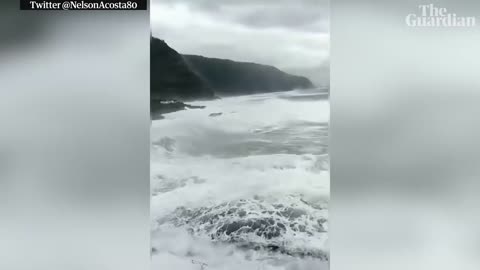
x=212 y=4
x=285 y=16
x=305 y=15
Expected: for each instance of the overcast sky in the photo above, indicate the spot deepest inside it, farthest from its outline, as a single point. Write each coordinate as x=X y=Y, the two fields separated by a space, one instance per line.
x=292 y=35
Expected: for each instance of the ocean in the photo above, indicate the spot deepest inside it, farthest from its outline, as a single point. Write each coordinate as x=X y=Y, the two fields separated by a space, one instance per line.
x=242 y=184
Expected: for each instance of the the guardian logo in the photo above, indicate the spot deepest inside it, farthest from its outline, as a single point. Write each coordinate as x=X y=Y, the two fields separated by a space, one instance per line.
x=431 y=16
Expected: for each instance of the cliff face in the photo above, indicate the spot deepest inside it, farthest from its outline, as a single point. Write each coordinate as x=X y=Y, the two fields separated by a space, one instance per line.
x=171 y=78
x=228 y=77
x=189 y=77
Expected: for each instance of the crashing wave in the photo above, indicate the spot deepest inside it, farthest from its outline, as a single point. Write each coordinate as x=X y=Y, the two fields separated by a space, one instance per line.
x=294 y=226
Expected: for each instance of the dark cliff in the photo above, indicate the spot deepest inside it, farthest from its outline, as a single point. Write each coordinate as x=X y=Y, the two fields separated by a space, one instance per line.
x=176 y=77
x=171 y=78
x=228 y=77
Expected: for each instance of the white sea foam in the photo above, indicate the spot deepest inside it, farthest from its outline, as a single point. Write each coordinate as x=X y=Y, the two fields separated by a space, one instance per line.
x=247 y=189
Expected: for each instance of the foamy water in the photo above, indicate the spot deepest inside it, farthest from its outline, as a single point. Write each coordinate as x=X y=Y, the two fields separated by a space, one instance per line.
x=242 y=184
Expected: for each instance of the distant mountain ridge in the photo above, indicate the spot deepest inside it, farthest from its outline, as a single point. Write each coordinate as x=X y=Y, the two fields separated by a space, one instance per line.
x=191 y=77
x=229 y=77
